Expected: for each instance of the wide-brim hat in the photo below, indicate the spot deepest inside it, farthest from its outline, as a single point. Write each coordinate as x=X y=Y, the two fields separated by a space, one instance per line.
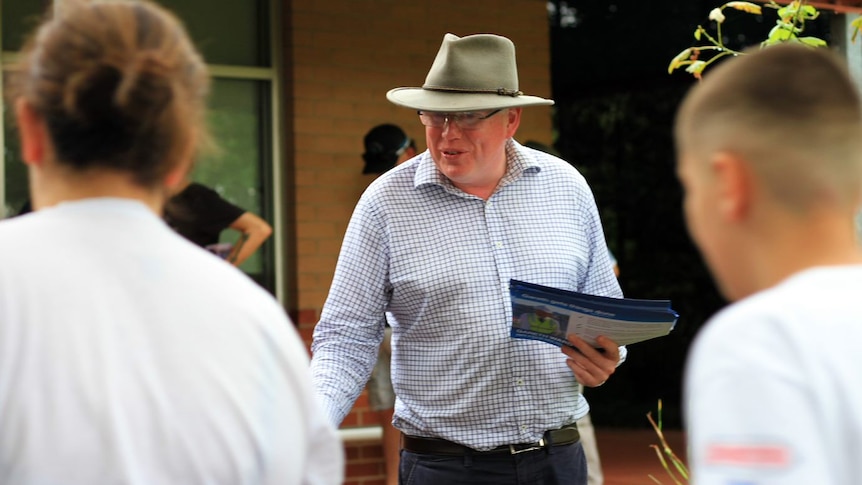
x=475 y=72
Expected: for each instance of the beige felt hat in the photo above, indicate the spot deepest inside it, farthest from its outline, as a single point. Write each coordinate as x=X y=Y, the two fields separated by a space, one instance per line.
x=470 y=73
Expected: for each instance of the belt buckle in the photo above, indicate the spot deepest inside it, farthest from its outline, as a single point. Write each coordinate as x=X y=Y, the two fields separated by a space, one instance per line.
x=538 y=446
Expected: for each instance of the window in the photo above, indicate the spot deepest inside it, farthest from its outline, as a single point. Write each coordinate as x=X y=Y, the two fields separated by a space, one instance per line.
x=237 y=41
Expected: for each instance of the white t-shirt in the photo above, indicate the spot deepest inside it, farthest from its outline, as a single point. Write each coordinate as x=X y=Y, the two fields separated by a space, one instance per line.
x=774 y=386
x=130 y=356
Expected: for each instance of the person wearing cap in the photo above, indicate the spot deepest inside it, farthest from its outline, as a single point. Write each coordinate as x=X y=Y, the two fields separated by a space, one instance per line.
x=431 y=248
x=386 y=146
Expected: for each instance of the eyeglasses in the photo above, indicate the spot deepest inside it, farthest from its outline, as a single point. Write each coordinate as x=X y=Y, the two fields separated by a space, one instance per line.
x=466 y=120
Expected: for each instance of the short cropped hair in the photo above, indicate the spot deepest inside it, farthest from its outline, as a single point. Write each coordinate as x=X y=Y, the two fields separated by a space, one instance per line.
x=792 y=112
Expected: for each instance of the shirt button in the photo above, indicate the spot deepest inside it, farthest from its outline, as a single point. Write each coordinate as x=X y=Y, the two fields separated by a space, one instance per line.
x=498 y=244
x=520 y=382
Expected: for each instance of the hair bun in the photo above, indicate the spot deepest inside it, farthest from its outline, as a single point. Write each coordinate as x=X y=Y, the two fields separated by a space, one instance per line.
x=119 y=84
x=146 y=84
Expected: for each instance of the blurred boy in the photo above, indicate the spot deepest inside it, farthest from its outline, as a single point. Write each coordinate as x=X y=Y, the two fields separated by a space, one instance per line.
x=770 y=157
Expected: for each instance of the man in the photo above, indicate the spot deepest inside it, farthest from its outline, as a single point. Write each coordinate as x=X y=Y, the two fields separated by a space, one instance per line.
x=770 y=156
x=431 y=248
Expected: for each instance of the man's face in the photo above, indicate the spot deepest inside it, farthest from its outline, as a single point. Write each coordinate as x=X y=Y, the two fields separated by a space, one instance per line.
x=473 y=158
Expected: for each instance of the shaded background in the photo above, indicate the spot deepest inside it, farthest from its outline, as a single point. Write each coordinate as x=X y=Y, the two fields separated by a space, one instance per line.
x=615 y=104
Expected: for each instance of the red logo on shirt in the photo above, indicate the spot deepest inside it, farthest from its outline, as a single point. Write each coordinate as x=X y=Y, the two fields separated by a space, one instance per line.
x=772 y=456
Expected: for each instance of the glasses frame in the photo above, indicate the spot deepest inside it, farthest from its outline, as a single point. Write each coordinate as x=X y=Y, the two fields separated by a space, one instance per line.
x=457 y=118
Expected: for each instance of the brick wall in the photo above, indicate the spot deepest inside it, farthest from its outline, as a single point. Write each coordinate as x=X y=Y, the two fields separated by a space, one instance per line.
x=345 y=55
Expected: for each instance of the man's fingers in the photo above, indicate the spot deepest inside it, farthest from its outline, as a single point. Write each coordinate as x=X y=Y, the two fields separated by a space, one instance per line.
x=585 y=376
x=608 y=349
x=592 y=366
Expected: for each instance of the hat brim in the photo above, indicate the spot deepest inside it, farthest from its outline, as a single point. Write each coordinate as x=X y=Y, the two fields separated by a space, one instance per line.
x=428 y=100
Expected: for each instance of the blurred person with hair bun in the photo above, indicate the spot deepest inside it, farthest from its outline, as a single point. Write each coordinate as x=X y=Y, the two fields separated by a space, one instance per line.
x=128 y=354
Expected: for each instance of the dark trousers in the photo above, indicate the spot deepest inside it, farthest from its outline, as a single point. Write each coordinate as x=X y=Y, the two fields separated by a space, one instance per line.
x=557 y=465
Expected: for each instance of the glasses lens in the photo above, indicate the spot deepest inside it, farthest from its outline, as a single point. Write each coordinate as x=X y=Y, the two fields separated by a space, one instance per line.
x=435 y=120
x=466 y=120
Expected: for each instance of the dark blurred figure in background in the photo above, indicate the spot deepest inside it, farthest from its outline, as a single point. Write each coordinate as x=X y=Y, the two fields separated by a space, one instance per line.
x=385 y=147
x=200 y=215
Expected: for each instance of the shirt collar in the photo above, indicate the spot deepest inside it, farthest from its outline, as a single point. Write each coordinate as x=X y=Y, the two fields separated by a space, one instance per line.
x=520 y=160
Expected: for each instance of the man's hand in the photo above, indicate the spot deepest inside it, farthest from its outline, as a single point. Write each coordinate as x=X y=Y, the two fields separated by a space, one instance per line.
x=592 y=366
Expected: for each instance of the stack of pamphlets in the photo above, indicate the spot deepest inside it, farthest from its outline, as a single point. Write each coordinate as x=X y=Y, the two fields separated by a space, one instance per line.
x=550 y=314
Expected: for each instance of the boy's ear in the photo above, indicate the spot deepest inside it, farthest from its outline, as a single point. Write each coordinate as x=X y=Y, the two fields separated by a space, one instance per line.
x=733 y=180
x=32 y=132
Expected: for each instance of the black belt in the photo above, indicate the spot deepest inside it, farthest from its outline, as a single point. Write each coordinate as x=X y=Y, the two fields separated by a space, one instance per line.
x=434 y=446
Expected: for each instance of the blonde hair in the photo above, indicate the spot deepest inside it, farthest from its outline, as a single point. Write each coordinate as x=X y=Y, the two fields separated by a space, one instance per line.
x=119 y=85
x=792 y=112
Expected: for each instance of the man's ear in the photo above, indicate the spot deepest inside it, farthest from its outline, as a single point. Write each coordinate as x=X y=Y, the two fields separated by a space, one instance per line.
x=513 y=122
x=733 y=179
x=32 y=132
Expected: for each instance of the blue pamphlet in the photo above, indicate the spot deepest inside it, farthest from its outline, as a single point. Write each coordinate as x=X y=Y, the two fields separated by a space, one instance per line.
x=550 y=314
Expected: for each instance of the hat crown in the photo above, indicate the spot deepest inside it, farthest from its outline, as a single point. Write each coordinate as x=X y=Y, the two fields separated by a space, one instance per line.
x=475 y=63
x=471 y=73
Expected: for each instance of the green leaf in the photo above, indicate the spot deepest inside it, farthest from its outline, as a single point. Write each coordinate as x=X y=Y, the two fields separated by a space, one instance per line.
x=788 y=26
x=813 y=41
x=856 y=24
x=700 y=30
x=809 y=12
x=778 y=34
